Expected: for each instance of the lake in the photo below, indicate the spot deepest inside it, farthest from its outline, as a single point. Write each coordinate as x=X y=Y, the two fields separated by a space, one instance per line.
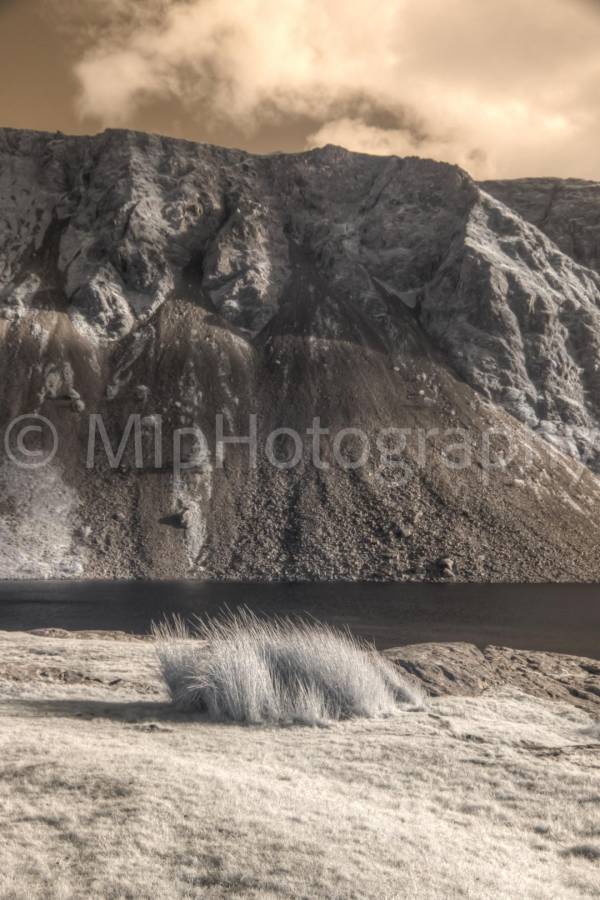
x=559 y=617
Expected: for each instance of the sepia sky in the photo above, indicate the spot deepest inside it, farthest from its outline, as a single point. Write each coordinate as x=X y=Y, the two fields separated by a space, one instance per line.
x=505 y=88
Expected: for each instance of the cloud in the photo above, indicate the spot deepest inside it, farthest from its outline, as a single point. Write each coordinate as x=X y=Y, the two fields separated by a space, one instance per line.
x=357 y=135
x=501 y=87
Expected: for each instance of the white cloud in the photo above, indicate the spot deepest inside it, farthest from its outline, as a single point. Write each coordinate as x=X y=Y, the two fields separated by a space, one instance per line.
x=500 y=86
x=355 y=134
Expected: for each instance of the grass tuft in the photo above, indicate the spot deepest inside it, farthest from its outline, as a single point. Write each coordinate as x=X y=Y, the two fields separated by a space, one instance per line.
x=241 y=668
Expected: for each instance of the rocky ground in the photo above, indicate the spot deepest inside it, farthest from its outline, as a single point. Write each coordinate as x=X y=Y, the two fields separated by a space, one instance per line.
x=465 y=670
x=492 y=789
x=144 y=276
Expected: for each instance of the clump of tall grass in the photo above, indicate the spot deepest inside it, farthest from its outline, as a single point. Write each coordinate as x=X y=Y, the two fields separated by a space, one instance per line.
x=241 y=668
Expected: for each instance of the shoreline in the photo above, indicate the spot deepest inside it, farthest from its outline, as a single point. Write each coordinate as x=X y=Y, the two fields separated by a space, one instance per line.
x=455 y=668
x=542 y=618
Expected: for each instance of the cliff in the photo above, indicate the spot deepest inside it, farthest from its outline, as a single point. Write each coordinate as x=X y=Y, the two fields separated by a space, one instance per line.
x=147 y=277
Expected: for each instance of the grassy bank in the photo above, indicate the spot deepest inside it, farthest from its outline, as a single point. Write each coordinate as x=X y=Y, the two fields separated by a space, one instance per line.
x=106 y=791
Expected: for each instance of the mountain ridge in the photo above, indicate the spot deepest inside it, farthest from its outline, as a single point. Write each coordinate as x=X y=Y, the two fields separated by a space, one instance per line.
x=142 y=275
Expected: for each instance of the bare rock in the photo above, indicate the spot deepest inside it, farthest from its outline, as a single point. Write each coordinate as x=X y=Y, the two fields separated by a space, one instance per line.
x=567 y=210
x=446 y=567
x=364 y=290
x=464 y=669
x=453 y=668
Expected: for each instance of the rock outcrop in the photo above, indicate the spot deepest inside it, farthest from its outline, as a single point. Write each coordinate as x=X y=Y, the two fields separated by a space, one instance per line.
x=567 y=210
x=147 y=277
x=466 y=670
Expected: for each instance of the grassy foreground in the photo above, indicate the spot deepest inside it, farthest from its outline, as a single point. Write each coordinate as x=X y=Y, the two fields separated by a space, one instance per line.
x=105 y=791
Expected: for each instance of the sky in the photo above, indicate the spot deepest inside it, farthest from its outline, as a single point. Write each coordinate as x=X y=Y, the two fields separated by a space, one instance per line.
x=505 y=88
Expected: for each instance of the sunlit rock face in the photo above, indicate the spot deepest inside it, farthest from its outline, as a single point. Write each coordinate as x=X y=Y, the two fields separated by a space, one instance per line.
x=567 y=210
x=178 y=282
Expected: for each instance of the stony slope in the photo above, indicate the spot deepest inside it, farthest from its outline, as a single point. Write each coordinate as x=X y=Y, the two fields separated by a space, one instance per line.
x=147 y=276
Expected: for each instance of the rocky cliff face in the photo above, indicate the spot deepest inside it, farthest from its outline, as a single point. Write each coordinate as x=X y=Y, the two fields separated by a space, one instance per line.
x=568 y=211
x=175 y=282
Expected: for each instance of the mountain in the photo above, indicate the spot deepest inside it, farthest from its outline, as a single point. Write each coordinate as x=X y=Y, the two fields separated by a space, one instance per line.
x=177 y=282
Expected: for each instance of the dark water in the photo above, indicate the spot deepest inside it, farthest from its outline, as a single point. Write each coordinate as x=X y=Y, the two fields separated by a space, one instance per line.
x=558 y=617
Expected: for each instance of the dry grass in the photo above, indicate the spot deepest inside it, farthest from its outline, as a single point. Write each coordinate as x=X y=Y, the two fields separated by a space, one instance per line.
x=240 y=668
x=106 y=791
